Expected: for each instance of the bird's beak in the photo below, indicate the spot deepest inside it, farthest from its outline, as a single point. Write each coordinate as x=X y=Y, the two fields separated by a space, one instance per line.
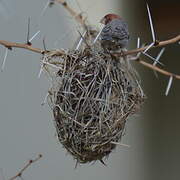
x=102 y=21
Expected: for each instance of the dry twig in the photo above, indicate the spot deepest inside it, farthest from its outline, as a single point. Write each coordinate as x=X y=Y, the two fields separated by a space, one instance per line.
x=19 y=174
x=155 y=68
x=10 y=45
x=78 y=17
x=157 y=44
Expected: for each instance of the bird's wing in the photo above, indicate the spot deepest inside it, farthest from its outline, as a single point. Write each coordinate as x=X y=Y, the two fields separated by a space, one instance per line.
x=119 y=30
x=106 y=33
x=115 y=30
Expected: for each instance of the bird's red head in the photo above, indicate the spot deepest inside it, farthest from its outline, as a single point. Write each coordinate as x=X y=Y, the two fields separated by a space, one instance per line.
x=108 y=18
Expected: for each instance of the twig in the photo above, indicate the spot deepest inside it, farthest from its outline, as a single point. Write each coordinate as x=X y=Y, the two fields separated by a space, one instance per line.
x=10 y=45
x=155 y=68
x=155 y=43
x=19 y=174
x=159 y=44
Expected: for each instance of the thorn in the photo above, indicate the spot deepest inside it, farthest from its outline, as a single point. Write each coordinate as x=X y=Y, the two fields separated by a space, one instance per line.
x=157 y=60
x=28 y=42
x=44 y=45
x=96 y=38
x=169 y=85
x=102 y=162
x=151 y=24
x=152 y=58
x=40 y=72
x=4 y=60
x=34 y=36
x=49 y=3
x=138 y=42
x=83 y=39
x=158 y=56
x=41 y=68
x=80 y=41
x=152 y=44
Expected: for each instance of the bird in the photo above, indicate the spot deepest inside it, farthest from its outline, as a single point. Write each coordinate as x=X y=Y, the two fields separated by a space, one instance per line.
x=114 y=35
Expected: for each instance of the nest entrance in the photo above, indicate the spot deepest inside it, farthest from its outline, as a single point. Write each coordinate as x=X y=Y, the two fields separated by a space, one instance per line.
x=92 y=96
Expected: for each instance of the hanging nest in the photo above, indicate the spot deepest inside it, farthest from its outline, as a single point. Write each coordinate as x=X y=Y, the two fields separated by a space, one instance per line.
x=92 y=96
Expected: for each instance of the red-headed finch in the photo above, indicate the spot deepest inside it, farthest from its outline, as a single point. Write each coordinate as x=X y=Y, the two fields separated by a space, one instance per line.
x=114 y=35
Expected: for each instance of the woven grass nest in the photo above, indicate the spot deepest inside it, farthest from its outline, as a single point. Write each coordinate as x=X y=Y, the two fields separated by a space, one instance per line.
x=92 y=96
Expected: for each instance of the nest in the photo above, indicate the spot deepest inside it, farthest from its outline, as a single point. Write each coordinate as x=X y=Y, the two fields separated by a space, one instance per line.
x=92 y=96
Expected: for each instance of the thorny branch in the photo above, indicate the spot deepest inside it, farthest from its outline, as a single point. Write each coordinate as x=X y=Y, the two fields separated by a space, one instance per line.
x=79 y=18
x=156 y=44
x=155 y=68
x=19 y=174
x=10 y=45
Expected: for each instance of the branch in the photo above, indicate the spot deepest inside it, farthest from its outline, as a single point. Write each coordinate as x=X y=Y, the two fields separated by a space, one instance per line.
x=157 y=44
x=79 y=18
x=19 y=174
x=10 y=45
x=155 y=68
